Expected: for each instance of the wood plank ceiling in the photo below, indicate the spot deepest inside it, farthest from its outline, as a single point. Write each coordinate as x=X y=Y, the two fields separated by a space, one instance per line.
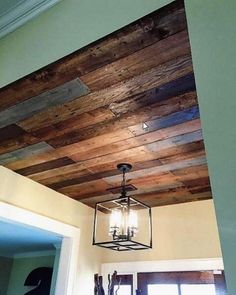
x=70 y=123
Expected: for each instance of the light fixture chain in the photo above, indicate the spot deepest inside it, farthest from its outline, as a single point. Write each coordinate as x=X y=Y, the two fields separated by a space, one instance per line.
x=123 y=184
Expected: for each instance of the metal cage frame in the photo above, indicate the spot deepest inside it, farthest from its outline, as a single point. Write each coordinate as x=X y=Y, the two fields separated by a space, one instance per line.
x=124 y=244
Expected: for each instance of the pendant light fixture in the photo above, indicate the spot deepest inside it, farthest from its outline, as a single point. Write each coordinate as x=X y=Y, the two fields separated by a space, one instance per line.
x=124 y=223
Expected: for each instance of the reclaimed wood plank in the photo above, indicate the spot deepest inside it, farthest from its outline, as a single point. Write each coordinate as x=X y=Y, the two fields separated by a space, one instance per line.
x=160 y=169
x=162 y=195
x=10 y=132
x=71 y=149
x=45 y=166
x=13 y=137
x=201 y=181
x=147 y=152
x=148 y=30
x=76 y=191
x=143 y=139
x=189 y=173
x=176 y=195
x=181 y=196
x=155 y=198
x=74 y=124
x=200 y=189
x=162 y=108
x=17 y=143
x=166 y=121
x=155 y=77
x=185 y=84
x=183 y=156
x=65 y=93
x=70 y=180
x=25 y=152
x=141 y=74
x=76 y=179
x=172 y=151
x=160 y=187
x=175 y=88
x=94 y=187
x=103 y=170
x=138 y=62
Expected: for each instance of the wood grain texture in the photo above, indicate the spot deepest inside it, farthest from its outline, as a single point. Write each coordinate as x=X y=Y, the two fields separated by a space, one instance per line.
x=45 y=166
x=146 y=31
x=24 y=152
x=141 y=108
x=155 y=77
x=140 y=61
x=36 y=104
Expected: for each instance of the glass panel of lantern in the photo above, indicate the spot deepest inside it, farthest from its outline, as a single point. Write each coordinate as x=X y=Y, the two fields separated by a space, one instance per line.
x=123 y=224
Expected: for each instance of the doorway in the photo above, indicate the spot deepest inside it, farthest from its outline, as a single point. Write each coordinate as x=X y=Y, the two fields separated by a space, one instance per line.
x=182 y=283
x=68 y=257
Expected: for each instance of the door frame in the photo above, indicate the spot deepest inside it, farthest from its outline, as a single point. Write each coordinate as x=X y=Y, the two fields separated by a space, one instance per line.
x=67 y=265
x=215 y=264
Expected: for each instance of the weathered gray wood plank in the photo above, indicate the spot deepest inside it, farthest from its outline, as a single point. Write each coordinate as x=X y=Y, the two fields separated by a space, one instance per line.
x=28 y=151
x=36 y=104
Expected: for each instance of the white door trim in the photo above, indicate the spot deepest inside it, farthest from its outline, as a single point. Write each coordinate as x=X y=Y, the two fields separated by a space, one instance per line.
x=69 y=250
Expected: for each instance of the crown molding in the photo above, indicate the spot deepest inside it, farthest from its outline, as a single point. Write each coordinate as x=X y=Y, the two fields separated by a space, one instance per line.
x=21 y=13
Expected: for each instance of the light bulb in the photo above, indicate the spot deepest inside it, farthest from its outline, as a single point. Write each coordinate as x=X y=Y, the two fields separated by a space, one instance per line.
x=133 y=222
x=115 y=222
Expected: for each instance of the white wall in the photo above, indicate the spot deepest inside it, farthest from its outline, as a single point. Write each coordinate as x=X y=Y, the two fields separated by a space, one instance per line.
x=183 y=231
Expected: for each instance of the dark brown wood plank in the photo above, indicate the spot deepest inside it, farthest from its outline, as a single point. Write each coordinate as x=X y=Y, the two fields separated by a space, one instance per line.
x=95 y=187
x=101 y=171
x=148 y=30
x=14 y=137
x=147 y=152
x=203 y=181
x=173 y=196
x=10 y=132
x=45 y=166
x=75 y=190
x=171 y=89
x=75 y=124
x=175 y=88
x=34 y=105
x=138 y=62
x=155 y=77
x=143 y=139
x=141 y=74
x=24 y=152
x=17 y=143
x=71 y=149
x=182 y=102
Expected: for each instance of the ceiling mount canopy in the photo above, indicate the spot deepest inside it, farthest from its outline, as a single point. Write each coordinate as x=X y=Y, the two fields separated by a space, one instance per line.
x=124 y=223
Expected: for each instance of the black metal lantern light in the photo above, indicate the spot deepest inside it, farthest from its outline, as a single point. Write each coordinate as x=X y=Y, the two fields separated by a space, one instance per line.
x=123 y=224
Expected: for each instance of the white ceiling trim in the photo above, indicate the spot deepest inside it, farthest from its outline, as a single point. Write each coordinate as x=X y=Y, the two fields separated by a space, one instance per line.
x=22 y=13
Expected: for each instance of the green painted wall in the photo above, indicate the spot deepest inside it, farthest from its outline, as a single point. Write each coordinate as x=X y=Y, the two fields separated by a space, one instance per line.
x=212 y=27
x=20 y=270
x=64 y=28
x=5 y=272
